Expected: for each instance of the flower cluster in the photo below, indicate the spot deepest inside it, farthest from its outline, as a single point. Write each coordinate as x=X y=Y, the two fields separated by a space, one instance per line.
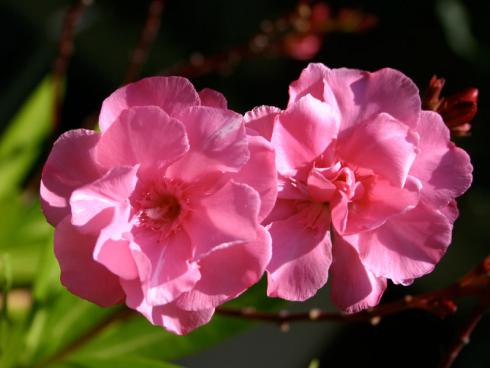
x=180 y=204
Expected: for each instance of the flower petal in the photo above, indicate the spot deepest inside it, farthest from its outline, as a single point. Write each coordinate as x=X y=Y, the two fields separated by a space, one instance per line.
x=383 y=145
x=362 y=95
x=381 y=201
x=300 y=260
x=302 y=133
x=169 y=93
x=145 y=136
x=210 y=97
x=227 y=216
x=218 y=143
x=407 y=246
x=261 y=119
x=111 y=190
x=352 y=287
x=260 y=173
x=80 y=274
x=227 y=272
x=169 y=316
x=171 y=273
x=444 y=169
x=69 y=165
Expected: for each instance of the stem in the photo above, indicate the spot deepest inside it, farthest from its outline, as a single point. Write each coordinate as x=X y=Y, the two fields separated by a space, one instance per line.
x=463 y=337
x=150 y=29
x=438 y=302
x=65 y=50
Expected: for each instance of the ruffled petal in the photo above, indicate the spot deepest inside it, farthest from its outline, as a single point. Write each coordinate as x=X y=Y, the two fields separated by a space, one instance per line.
x=166 y=269
x=229 y=215
x=227 y=272
x=111 y=190
x=444 y=169
x=407 y=246
x=300 y=259
x=353 y=288
x=169 y=93
x=210 y=97
x=302 y=133
x=261 y=119
x=260 y=173
x=362 y=95
x=218 y=143
x=169 y=316
x=142 y=135
x=80 y=274
x=380 y=202
x=69 y=166
x=383 y=145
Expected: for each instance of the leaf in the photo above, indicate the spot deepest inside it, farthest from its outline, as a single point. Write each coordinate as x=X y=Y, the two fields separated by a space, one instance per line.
x=138 y=337
x=20 y=145
x=121 y=361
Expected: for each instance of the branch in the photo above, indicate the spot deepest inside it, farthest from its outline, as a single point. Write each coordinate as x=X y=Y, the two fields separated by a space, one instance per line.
x=150 y=29
x=297 y=34
x=463 y=337
x=439 y=302
x=65 y=50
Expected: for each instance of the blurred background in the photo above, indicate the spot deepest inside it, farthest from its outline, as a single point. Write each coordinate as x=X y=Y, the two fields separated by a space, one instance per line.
x=250 y=51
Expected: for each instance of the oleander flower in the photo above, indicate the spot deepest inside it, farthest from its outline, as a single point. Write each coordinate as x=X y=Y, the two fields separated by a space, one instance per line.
x=367 y=182
x=162 y=209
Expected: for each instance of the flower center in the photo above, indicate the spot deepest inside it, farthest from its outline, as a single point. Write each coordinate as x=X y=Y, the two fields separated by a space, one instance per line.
x=161 y=206
x=324 y=182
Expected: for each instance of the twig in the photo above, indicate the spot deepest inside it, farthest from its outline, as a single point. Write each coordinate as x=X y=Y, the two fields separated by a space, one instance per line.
x=439 y=302
x=463 y=337
x=119 y=315
x=65 y=50
x=150 y=29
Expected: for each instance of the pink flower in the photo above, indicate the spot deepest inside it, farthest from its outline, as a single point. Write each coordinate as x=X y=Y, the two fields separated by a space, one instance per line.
x=163 y=208
x=367 y=183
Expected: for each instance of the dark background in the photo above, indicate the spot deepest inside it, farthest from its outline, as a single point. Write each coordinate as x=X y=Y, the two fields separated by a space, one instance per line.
x=449 y=38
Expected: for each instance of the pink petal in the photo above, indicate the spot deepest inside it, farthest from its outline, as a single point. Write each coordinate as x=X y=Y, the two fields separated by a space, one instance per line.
x=260 y=173
x=169 y=93
x=261 y=119
x=407 y=246
x=180 y=321
x=352 y=287
x=283 y=209
x=80 y=274
x=227 y=272
x=169 y=315
x=69 y=165
x=300 y=259
x=218 y=143
x=145 y=136
x=170 y=273
x=210 y=97
x=111 y=190
x=362 y=95
x=381 y=201
x=444 y=169
x=302 y=133
x=383 y=145
x=226 y=216
x=311 y=81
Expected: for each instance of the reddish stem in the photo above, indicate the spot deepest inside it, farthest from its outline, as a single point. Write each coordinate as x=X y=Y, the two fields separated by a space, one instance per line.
x=65 y=50
x=463 y=337
x=150 y=30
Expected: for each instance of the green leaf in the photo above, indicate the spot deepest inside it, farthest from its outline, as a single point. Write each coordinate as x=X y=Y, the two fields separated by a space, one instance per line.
x=138 y=337
x=20 y=144
x=120 y=361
